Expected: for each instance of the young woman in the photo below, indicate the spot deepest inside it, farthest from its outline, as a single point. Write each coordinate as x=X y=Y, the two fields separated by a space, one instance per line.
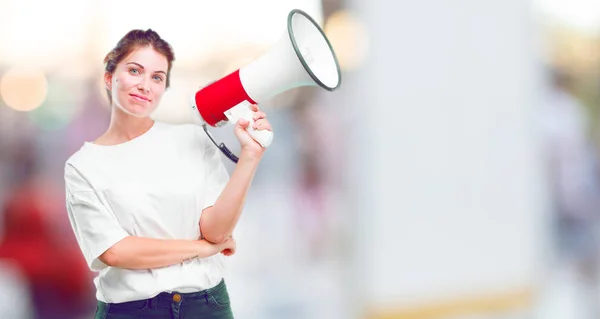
x=151 y=204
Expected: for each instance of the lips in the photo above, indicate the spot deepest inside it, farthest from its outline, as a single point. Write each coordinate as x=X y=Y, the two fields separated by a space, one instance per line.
x=140 y=97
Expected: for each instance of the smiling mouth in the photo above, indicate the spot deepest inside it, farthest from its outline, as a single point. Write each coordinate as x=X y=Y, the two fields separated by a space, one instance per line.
x=140 y=98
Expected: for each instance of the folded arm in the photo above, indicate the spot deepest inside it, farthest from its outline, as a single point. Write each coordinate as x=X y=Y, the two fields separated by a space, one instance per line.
x=146 y=253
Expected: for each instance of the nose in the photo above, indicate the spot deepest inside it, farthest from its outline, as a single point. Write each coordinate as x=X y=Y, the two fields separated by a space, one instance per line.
x=144 y=85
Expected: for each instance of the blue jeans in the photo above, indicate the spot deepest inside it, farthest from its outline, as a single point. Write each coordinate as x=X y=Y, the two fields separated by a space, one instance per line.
x=209 y=303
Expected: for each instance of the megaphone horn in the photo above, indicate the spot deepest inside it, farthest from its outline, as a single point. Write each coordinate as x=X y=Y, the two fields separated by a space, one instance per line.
x=302 y=57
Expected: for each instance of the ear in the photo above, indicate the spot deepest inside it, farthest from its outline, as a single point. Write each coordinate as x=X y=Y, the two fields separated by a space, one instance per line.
x=108 y=80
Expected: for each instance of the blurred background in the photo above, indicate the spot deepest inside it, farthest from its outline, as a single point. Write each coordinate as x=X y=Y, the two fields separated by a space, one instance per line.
x=453 y=175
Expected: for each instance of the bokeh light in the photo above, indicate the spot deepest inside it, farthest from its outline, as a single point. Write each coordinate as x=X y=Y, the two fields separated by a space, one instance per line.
x=23 y=89
x=59 y=108
x=349 y=39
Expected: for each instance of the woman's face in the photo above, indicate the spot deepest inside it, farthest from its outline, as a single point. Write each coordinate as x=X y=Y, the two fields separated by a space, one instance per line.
x=139 y=81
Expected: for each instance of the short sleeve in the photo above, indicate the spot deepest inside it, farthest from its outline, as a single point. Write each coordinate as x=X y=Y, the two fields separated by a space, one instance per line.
x=95 y=227
x=216 y=174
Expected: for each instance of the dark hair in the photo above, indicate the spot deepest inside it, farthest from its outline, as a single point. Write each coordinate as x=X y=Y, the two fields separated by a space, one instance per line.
x=135 y=39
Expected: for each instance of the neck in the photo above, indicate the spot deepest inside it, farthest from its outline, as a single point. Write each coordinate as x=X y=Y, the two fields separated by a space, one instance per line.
x=124 y=127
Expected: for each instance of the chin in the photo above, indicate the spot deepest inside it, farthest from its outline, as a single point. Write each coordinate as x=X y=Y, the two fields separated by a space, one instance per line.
x=138 y=110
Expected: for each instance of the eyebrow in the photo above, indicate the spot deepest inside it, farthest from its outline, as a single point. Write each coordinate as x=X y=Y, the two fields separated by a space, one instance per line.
x=142 y=67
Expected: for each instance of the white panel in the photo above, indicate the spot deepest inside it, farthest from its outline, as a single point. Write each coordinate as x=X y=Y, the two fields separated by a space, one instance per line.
x=452 y=197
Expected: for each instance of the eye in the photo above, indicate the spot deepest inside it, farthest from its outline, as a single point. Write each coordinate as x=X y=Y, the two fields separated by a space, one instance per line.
x=134 y=71
x=158 y=78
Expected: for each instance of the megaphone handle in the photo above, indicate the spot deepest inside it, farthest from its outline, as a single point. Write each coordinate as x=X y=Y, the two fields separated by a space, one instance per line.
x=244 y=110
x=263 y=137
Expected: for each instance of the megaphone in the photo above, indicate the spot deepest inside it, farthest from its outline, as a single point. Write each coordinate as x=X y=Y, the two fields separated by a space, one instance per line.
x=302 y=57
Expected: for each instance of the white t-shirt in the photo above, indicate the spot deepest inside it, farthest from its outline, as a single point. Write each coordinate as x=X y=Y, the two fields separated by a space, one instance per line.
x=155 y=186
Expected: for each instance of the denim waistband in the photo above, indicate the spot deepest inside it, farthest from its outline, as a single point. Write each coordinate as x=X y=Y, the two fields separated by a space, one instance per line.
x=170 y=297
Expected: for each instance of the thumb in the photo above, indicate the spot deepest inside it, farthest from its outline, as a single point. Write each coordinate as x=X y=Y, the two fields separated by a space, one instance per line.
x=242 y=123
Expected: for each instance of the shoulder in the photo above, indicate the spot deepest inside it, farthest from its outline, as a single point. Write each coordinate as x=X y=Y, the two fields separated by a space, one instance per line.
x=85 y=163
x=184 y=133
x=177 y=128
x=185 y=128
x=79 y=158
x=74 y=168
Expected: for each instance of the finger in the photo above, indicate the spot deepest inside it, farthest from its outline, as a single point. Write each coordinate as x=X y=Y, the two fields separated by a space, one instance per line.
x=265 y=125
x=262 y=124
x=255 y=108
x=259 y=115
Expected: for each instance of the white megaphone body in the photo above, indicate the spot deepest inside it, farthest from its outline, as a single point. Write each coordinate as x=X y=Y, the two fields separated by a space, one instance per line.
x=302 y=57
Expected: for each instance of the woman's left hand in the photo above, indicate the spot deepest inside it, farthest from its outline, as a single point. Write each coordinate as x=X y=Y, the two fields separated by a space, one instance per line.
x=248 y=144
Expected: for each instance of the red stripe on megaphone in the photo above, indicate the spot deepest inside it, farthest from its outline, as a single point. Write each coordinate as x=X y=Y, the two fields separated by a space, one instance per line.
x=218 y=97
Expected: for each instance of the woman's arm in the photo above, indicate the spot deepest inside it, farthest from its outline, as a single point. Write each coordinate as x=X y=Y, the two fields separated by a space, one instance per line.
x=145 y=253
x=218 y=221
